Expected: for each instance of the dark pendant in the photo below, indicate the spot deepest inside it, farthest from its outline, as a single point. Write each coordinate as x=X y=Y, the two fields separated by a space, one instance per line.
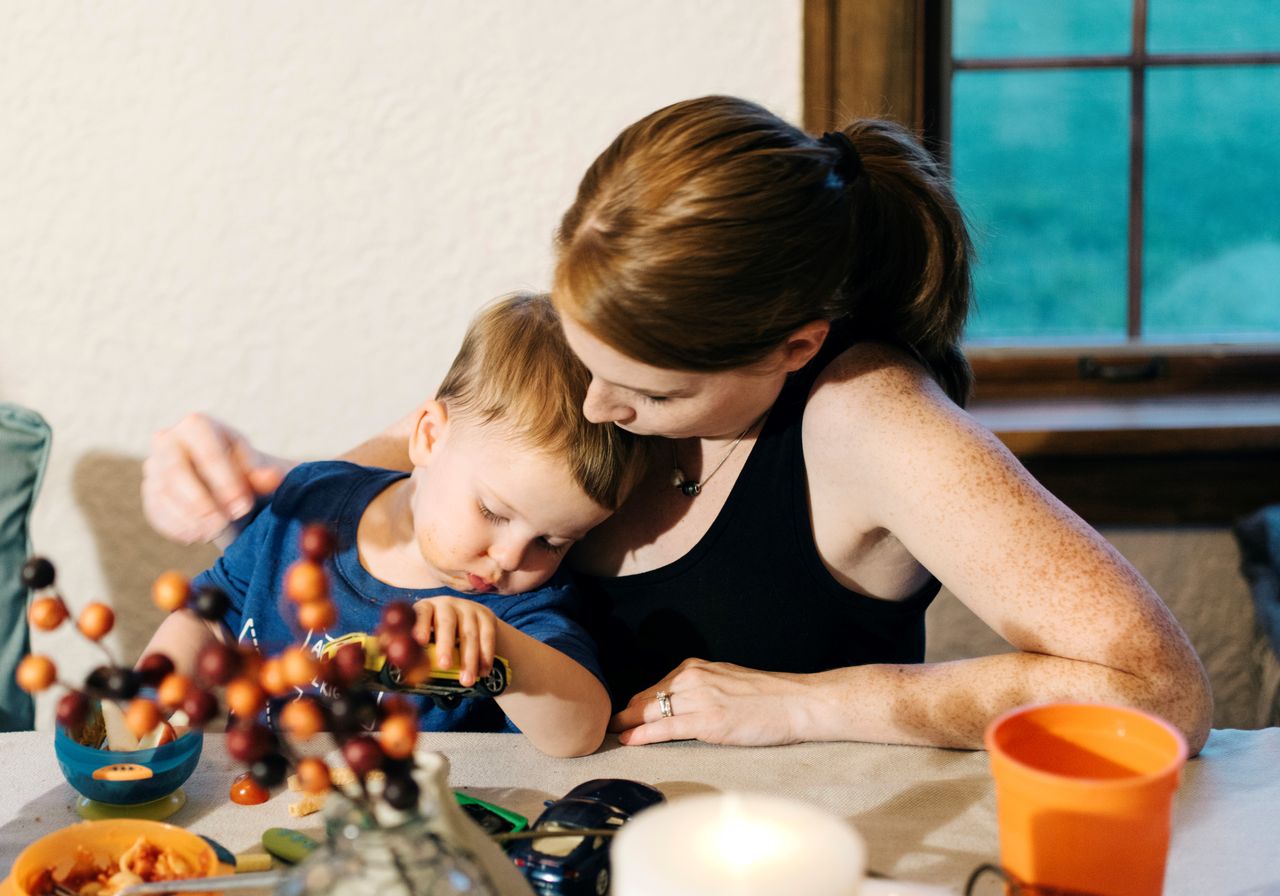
x=691 y=488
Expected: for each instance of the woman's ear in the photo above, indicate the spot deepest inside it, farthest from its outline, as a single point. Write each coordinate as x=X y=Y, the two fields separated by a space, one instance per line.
x=799 y=348
x=428 y=432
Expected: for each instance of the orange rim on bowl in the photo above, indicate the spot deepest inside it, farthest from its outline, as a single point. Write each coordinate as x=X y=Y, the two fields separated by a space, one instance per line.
x=106 y=841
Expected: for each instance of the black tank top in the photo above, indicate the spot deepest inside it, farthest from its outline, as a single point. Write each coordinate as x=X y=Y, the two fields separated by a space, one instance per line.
x=753 y=590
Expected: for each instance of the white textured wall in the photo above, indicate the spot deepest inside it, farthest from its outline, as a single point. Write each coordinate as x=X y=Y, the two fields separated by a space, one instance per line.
x=285 y=213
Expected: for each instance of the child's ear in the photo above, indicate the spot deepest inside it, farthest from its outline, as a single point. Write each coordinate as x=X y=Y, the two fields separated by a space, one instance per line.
x=428 y=432
x=799 y=348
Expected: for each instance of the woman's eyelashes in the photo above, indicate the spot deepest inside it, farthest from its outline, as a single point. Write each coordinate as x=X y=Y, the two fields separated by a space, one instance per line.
x=655 y=399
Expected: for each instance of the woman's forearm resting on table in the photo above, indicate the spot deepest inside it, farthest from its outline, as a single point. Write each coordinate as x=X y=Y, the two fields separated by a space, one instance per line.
x=950 y=704
x=561 y=707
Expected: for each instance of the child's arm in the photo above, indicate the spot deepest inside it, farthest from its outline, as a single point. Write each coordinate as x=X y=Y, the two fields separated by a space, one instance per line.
x=181 y=636
x=555 y=702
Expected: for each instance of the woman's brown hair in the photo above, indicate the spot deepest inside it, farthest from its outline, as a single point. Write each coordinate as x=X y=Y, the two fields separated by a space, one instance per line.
x=710 y=230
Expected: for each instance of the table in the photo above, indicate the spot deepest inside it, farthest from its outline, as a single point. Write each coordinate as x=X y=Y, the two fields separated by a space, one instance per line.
x=926 y=814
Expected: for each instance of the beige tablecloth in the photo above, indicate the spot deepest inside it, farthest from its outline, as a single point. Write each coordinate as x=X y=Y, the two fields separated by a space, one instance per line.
x=926 y=814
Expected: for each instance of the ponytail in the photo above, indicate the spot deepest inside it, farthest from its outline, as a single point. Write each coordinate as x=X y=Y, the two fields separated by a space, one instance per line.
x=908 y=279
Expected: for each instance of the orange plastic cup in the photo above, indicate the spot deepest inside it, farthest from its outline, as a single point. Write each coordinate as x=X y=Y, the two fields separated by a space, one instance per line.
x=1084 y=796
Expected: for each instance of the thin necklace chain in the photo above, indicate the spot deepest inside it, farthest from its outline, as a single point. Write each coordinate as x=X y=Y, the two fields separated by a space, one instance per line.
x=693 y=487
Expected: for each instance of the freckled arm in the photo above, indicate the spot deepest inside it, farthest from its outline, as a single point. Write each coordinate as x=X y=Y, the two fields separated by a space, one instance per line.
x=1085 y=623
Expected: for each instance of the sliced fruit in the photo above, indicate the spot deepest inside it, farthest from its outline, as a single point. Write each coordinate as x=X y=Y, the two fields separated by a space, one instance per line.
x=119 y=737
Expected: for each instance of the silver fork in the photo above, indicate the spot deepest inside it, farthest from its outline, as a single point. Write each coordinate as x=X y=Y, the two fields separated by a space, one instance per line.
x=258 y=879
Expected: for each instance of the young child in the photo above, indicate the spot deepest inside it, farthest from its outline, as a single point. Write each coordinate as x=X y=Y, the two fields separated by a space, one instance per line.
x=507 y=474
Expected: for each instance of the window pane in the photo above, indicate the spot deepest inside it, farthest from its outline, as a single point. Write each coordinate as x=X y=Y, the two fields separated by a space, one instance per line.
x=1189 y=26
x=1040 y=161
x=999 y=28
x=1212 y=219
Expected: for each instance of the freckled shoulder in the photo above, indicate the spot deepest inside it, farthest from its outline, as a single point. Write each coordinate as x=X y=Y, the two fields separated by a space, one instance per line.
x=874 y=405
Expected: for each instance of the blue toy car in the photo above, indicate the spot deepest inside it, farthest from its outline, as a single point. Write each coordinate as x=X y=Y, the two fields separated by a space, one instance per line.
x=579 y=866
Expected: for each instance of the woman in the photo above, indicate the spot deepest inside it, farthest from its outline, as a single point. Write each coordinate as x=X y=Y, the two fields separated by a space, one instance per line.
x=786 y=312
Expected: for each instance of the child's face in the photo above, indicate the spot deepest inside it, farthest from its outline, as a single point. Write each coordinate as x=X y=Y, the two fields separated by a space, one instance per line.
x=492 y=515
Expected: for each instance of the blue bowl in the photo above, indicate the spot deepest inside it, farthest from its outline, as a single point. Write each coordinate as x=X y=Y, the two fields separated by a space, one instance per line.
x=169 y=766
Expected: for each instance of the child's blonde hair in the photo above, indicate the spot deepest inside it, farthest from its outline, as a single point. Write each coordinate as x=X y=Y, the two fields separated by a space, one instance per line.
x=515 y=369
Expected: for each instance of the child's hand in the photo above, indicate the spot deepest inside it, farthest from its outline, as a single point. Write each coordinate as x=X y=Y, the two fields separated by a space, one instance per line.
x=460 y=626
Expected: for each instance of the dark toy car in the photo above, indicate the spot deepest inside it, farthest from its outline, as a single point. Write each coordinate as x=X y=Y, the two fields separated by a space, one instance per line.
x=579 y=866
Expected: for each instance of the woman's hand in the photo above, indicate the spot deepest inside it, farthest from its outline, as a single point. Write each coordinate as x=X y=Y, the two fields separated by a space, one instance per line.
x=465 y=635
x=201 y=475
x=718 y=703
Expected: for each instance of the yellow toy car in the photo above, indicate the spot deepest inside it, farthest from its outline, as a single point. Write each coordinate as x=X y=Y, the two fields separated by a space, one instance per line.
x=443 y=685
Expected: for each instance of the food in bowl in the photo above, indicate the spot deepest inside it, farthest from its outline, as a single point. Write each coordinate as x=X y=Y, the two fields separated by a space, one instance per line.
x=144 y=862
x=87 y=857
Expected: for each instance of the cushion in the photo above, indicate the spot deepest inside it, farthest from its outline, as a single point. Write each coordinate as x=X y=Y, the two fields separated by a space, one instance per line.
x=24 y=450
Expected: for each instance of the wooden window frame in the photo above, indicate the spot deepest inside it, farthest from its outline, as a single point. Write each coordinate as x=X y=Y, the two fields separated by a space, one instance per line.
x=1132 y=433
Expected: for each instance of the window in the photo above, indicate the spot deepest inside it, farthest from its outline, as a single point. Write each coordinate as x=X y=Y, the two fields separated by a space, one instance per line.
x=1119 y=161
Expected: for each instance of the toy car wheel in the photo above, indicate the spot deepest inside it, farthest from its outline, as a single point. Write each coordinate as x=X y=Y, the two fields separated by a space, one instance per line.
x=602 y=882
x=496 y=681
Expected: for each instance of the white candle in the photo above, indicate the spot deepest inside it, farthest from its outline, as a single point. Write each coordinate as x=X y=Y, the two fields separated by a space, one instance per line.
x=737 y=844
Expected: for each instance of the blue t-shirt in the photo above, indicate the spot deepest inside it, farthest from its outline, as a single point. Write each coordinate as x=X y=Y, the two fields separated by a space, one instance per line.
x=336 y=493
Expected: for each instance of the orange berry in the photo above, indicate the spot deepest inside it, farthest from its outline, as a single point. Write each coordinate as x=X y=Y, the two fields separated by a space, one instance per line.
x=170 y=591
x=96 y=621
x=142 y=717
x=302 y=718
x=245 y=697
x=399 y=735
x=306 y=581
x=272 y=677
x=173 y=690
x=313 y=775
x=318 y=615
x=35 y=673
x=47 y=613
x=299 y=666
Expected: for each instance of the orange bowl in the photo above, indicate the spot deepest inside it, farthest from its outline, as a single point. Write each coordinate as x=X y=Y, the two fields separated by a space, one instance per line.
x=106 y=841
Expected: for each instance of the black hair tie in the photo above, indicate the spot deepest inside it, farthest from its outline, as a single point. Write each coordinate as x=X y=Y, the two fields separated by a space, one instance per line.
x=849 y=164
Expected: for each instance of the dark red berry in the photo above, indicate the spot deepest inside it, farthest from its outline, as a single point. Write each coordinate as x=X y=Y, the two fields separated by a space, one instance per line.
x=404 y=652
x=395 y=704
x=317 y=542
x=73 y=709
x=349 y=663
x=210 y=603
x=153 y=668
x=37 y=573
x=200 y=706
x=217 y=663
x=401 y=793
x=397 y=617
x=269 y=770
x=249 y=743
x=362 y=754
